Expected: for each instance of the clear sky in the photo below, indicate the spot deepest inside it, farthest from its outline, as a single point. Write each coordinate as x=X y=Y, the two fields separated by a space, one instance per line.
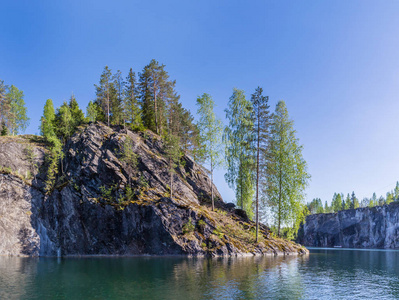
x=335 y=63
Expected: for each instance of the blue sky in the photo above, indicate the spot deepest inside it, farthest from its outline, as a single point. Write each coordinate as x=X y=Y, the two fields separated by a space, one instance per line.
x=335 y=63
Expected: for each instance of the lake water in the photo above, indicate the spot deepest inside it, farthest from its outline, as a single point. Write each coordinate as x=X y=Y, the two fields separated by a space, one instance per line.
x=324 y=274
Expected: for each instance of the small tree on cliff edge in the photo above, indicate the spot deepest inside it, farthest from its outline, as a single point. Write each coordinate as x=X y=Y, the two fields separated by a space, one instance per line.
x=287 y=172
x=210 y=130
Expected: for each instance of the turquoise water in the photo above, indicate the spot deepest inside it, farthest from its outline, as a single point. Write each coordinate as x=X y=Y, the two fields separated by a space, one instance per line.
x=324 y=274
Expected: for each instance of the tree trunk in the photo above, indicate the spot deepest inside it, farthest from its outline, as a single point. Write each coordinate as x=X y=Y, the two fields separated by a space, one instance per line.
x=213 y=203
x=108 y=102
x=155 y=107
x=171 y=179
x=279 y=203
x=257 y=184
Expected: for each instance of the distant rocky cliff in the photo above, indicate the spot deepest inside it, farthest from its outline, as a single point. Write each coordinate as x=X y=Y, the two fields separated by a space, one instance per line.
x=104 y=201
x=376 y=227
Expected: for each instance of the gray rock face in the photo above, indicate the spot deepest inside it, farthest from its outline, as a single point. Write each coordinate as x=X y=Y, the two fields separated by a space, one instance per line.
x=103 y=204
x=376 y=227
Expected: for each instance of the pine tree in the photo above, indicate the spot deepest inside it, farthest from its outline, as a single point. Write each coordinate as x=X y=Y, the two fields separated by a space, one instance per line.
x=132 y=113
x=348 y=202
x=316 y=206
x=287 y=172
x=78 y=118
x=354 y=201
x=4 y=129
x=117 y=89
x=64 y=123
x=47 y=126
x=389 y=198
x=396 y=192
x=238 y=137
x=104 y=95
x=381 y=201
x=336 y=204
x=373 y=200
x=17 y=118
x=155 y=89
x=261 y=132
x=210 y=130
x=327 y=209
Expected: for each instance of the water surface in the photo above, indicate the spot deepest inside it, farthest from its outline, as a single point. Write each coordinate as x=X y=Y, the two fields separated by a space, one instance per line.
x=324 y=274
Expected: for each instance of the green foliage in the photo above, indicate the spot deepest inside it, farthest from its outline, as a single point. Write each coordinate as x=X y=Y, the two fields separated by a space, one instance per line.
x=173 y=155
x=132 y=113
x=47 y=128
x=188 y=227
x=77 y=115
x=14 y=109
x=354 y=201
x=287 y=172
x=92 y=111
x=106 y=193
x=238 y=137
x=64 y=123
x=261 y=137
x=127 y=154
x=219 y=232
x=105 y=96
x=210 y=136
x=117 y=113
x=4 y=129
x=52 y=160
x=30 y=153
x=348 y=202
x=130 y=194
x=316 y=206
x=336 y=204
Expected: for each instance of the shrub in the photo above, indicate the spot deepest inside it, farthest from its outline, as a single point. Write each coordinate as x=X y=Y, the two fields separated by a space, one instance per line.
x=188 y=227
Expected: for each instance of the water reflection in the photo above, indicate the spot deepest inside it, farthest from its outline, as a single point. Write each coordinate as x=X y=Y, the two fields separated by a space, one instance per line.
x=324 y=274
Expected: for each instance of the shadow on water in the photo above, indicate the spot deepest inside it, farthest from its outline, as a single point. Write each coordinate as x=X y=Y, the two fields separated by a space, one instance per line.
x=324 y=274
x=138 y=277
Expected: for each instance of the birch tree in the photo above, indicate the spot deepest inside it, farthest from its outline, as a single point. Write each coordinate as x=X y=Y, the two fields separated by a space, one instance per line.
x=210 y=131
x=287 y=172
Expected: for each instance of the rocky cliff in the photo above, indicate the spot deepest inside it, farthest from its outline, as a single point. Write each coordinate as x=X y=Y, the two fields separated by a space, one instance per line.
x=111 y=197
x=376 y=227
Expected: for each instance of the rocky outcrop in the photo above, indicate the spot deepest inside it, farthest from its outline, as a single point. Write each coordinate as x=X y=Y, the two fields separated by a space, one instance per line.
x=376 y=227
x=111 y=197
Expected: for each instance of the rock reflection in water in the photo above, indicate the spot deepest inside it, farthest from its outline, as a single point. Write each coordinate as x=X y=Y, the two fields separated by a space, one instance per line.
x=324 y=274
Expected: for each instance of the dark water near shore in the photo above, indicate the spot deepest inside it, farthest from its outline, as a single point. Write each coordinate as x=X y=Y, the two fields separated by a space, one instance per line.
x=324 y=274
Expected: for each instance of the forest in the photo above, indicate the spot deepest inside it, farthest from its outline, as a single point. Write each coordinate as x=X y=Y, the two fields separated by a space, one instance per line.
x=340 y=202
x=258 y=147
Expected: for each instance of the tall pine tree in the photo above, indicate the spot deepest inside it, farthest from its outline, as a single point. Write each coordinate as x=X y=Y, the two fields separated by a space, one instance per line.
x=104 y=95
x=131 y=109
x=155 y=91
